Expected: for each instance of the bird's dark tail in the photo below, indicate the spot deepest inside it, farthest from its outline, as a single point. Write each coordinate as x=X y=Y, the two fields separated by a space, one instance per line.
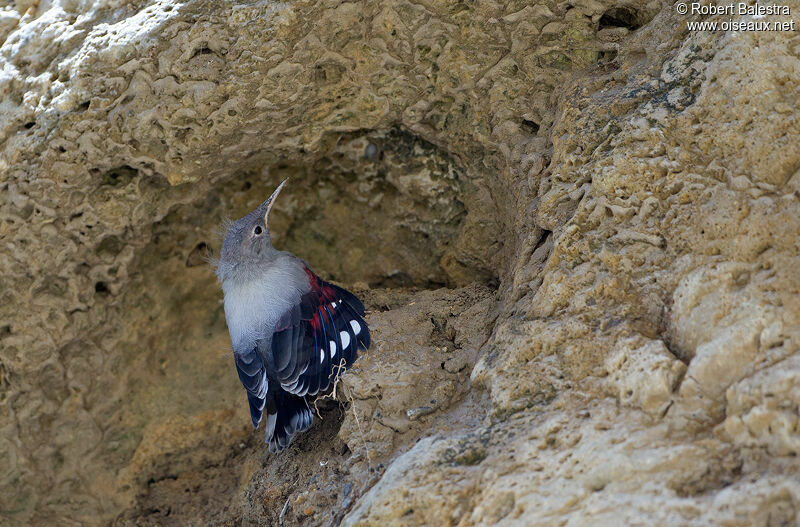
x=287 y=415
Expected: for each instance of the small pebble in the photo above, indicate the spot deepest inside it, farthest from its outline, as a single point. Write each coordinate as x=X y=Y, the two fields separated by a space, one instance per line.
x=371 y=152
x=416 y=413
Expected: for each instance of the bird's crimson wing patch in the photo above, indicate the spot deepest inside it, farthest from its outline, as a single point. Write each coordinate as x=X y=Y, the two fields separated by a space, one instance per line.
x=319 y=338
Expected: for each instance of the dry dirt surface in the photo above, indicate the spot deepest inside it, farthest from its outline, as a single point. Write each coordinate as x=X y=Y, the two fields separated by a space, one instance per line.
x=575 y=226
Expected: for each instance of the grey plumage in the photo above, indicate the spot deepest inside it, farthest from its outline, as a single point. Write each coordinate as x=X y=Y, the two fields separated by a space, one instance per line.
x=291 y=332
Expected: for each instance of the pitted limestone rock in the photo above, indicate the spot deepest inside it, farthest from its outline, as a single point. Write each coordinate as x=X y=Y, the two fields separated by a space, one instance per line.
x=618 y=179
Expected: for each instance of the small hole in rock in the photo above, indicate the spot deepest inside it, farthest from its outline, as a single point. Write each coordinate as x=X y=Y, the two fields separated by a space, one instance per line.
x=320 y=74
x=542 y=239
x=620 y=17
x=29 y=125
x=84 y=106
x=199 y=255
x=101 y=288
x=119 y=176
x=203 y=51
x=607 y=56
x=532 y=127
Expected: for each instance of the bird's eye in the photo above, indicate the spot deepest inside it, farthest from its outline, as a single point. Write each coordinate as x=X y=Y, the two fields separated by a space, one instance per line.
x=257 y=231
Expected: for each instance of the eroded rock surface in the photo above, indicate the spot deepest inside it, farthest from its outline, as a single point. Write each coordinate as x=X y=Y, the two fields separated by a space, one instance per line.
x=575 y=227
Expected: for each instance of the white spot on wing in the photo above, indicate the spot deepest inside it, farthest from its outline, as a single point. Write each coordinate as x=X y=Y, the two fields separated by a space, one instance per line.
x=321 y=355
x=333 y=348
x=356 y=327
x=345 y=338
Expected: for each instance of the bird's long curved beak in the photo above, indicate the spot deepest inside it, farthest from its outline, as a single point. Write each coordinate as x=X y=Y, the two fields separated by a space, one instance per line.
x=271 y=200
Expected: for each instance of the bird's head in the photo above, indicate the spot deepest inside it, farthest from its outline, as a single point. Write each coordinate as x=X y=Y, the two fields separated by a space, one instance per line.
x=247 y=243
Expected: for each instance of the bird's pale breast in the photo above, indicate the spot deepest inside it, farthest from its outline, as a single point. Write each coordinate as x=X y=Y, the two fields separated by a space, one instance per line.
x=254 y=305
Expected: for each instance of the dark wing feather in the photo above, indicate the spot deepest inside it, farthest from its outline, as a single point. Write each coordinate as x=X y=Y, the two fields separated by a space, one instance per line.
x=286 y=415
x=318 y=338
x=355 y=311
x=283 y=339
x=254 y=379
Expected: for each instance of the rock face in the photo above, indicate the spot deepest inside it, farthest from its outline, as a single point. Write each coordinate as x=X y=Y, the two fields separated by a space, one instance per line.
x=575 y=227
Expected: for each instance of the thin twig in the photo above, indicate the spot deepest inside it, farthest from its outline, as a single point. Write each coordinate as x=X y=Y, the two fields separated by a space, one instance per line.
x=337 y=373
x=283 y=511
x=352 y=400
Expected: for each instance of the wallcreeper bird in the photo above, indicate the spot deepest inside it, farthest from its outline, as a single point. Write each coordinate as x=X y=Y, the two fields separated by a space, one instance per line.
x=292 y=333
